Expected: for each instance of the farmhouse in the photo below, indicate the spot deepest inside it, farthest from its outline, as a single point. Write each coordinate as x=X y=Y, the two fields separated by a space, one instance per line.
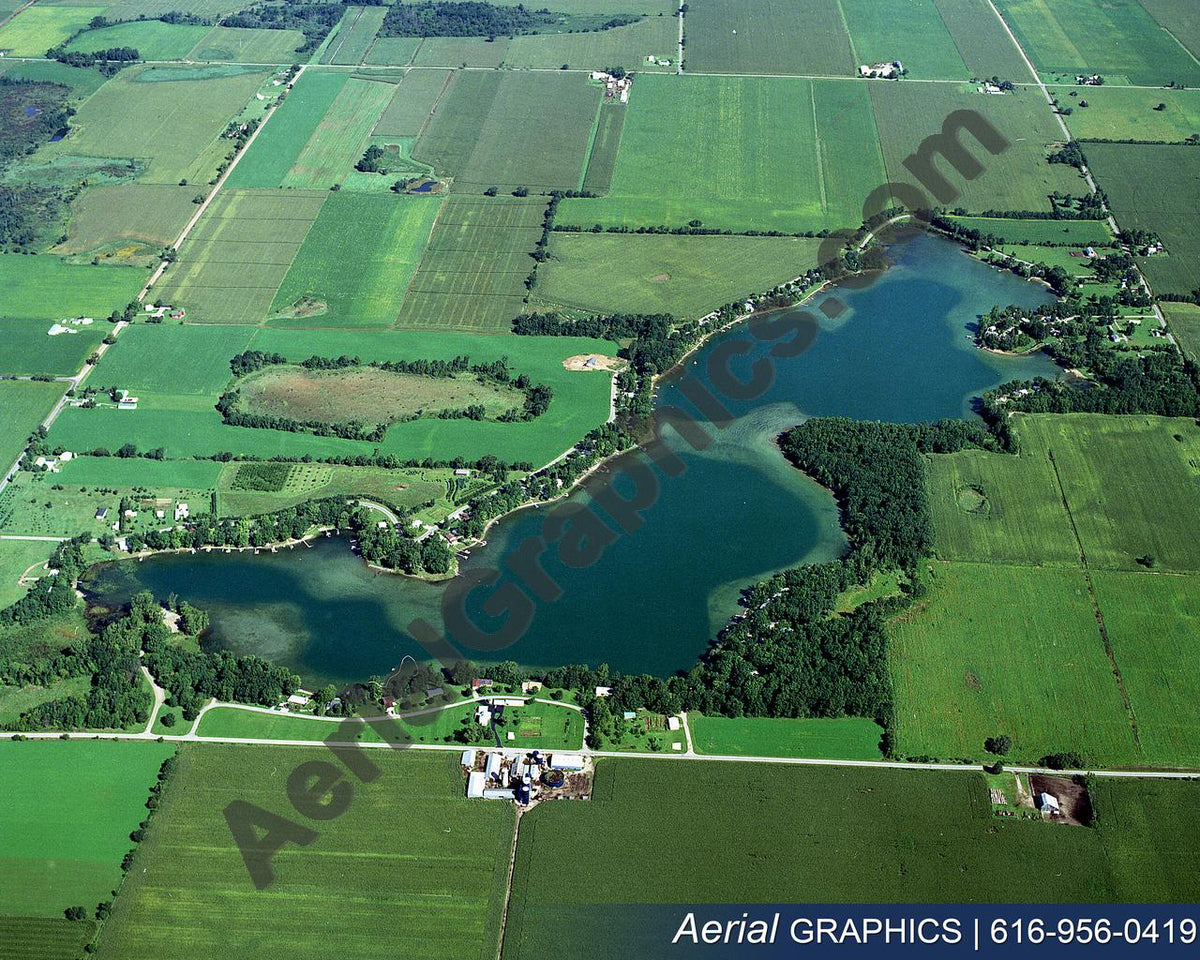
x=882 y=70
x=181 y=511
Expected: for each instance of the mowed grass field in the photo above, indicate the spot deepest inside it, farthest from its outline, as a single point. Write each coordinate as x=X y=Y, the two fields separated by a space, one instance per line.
x=358 y=259
x=238 y=254
x=1018 y=178
x=485 y=127
x=153 y=39
x=179 y=371
x=47 y=287
x=170 y=116
x=1118 y=40
x=29 y=350
x=268 y=160
x=995 y=649
x=1155 y=187
x=688 y=276
x=412 y=101
x=911 y=31
x=35 y=30
x=843 y=738
x=784 y=154
x=68 y=812
x=472 y=275
x=1129 y=113
x=766 y=36
x=340 y=138
x=772 y=833
x=411 y=861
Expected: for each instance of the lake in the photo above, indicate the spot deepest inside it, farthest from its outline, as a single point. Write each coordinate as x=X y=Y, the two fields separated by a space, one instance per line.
x=901 y=350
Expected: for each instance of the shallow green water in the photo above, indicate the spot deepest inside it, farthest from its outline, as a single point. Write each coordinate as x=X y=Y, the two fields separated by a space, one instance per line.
x=653 y=598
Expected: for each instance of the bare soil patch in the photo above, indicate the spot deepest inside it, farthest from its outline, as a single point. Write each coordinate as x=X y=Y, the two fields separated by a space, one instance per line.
x=593 y=361
x=1072 y=797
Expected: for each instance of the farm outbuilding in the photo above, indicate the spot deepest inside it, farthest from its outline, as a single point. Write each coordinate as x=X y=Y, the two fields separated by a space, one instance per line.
x=1048 y=803
x=475 y=782
x=567 y=761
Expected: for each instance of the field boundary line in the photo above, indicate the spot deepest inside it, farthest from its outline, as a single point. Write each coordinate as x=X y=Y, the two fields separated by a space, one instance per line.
x=162 y=267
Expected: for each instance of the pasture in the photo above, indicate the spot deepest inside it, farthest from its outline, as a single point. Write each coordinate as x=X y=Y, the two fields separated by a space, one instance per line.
x=911 y=31
x=412 y=102
x=843 y=738
x=806 y=38
x=68 y=812
x=782 y=154
x=1155 y=187
x=249 y=45
x=688 y=276
x=36 y=29
x=267 y=161
x=1129 y=113
x=179 y=371
x=1153 y=621
x=984 y=44
x=354 y=35
x=472 y=275
x=426 y=862
x=483 y=128
x=153 y=39
x=127 y=222
x=1131 y=485
x=1183 y=320
x=1016 y=179
x=357 y=260
x=1121 y=41
x=339 y=139
x=30 y=350
x=171 y=117
x=47 y=287
x=238 y=254
x=1075 y=232
x=994 y=649
x=762 y=833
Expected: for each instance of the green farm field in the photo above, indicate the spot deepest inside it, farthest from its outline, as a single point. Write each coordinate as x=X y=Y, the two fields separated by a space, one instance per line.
x=843 y=738
x=284 y=137
x=127 y=223
x=606 y=143
x=83 y=81
x=153 y=39
x=239 y=253
x=166 y=115
x=1129 y=113
x=444 y=51
x=688 y=276
x=67 y=817
x=1183 y=319
x=147 y=474
x=1074 y=232
x=484 y=125
x=47 y=287
x=179 y=371
x=1156 y=188
x=358 y=259
x=1069 y=259
x=29 y=350
x=395 y=51
x=1016 y=179
x=426 y=861
x=339 y=139
x=403 y=488
x=472 y=275
x=1121 y=41
x=248 y=45
x=23 y=406
x=411 y=103
x=355 y=34
x=994 y=649
x=783 y=154
x=17 y=556
x=911 y=31
x=626 y=46
x=766 y=36
x=819 y=834
x=984 y=45
x=33 y=31
x=1179 y=17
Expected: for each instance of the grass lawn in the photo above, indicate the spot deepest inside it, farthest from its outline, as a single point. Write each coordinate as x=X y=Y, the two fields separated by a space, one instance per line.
x=153 y=39
x=35 y=30
x=1129 y=113
x=700 y=832
x=410 y=861
x=659 y=273
x=69 y=809
x=845 y=738
x=994 y=649
x=766 y=36
x=784 y=154
x=1066 y=257
x=358 y=259
x=17 y=556
x=46 y=287
x=30 y=350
